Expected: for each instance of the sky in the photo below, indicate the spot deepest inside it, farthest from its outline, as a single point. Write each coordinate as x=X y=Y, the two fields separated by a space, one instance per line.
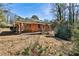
x=42 y=10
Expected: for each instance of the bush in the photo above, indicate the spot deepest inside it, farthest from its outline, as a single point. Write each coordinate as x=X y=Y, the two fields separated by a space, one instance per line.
x=35 y=49
x=76 y=40
x=26 y=52
x=3 y=24
x=63 y=32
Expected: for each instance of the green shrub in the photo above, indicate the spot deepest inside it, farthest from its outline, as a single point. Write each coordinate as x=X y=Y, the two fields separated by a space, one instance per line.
x=26 y=51
x=75 y=51
x=35 y=49
x=63 y=32
x=3 y=24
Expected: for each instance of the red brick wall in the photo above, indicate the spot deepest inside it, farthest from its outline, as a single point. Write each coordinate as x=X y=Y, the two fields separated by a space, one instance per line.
x=32 y=27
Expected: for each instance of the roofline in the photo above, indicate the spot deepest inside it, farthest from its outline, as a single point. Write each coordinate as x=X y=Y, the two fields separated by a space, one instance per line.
x=33 y=22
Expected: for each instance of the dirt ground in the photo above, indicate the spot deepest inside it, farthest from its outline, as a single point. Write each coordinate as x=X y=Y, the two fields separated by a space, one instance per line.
x=11 y=43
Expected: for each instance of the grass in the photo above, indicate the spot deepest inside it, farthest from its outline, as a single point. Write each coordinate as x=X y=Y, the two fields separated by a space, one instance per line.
x=38 y=50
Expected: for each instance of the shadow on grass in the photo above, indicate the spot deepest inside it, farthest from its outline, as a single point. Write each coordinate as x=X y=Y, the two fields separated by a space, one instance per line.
x=9 y=33
x=57 y=38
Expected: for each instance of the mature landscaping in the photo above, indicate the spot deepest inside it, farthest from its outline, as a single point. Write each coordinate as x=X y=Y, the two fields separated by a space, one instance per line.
x=64 y=39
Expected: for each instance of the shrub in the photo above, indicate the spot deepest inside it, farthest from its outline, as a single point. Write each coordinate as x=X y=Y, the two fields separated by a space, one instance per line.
x=26 y=51
x=76 y=46
x=75 y=51
x=63 y=32
x=35 y=49
x=3 y=24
